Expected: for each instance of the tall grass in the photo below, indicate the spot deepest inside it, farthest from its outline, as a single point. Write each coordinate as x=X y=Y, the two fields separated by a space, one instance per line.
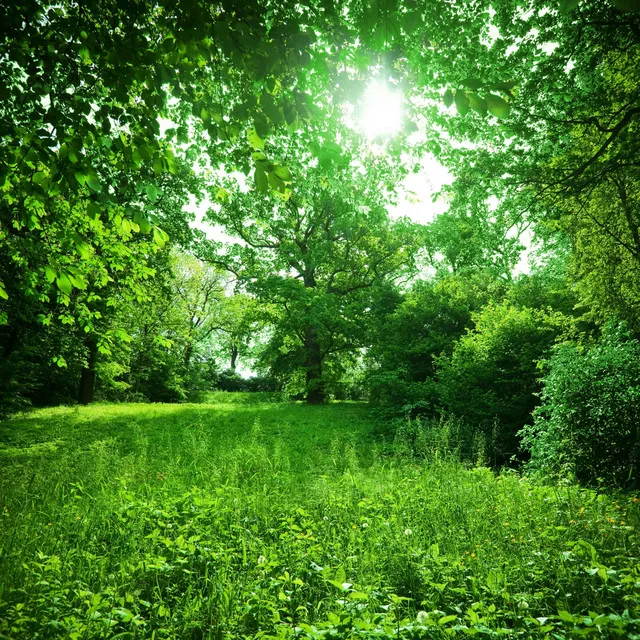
x=242 y=519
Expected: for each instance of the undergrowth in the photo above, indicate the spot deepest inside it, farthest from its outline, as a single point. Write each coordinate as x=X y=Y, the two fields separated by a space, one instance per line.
x=266 y=520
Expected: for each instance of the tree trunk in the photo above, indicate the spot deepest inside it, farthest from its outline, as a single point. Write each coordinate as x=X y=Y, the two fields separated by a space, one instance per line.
x=313 y=365
x=88 y=375
x=234 y=358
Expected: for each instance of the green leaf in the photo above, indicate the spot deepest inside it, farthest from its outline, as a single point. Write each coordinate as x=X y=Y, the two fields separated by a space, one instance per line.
x=152 y=192
x=94 y=183
x=472 y=83
x=60 y=361
x=478 y=104
x=94 y=210
x=446 y=619
x=262 y=127
x=39 y=177
x=448 y=98
x=50 y=274
x=497 y=106
x=78 y=282
x=503 y=86
x=283 y=173
x=3 y=292
x=566 y=616
x=64 y=284
x=462 y=102
x=276 y=182
x=80 y=177
x=255 y=140
x=158 y=237
x=261 y=180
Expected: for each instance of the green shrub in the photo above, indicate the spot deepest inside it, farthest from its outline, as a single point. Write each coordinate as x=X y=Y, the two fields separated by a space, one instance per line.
x=492 y=378
x=588 y=424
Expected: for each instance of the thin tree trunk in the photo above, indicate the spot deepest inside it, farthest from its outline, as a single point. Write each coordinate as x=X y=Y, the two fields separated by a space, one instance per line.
x=88 y=375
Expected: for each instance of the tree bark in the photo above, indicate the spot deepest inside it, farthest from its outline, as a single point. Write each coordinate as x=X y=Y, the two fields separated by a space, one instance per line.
x=313 y=364
x=234 y=358
x=88 y=375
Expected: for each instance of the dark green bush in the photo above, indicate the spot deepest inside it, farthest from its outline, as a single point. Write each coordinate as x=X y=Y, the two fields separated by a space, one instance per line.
x=588 y=425
x=492 y=378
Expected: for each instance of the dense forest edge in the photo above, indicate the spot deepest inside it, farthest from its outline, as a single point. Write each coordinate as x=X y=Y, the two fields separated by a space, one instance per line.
x=332 y=264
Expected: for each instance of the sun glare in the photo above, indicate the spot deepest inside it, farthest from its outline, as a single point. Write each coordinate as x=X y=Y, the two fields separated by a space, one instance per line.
x=382 y=110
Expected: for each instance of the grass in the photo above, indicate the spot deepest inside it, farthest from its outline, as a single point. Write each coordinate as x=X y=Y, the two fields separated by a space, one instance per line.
x=247 y=518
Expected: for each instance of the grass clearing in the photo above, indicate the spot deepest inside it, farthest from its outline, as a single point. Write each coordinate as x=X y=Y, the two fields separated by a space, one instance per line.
x=244 y=517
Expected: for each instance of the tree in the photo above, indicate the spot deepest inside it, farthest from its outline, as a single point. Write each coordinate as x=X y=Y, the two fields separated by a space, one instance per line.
x=316 y=252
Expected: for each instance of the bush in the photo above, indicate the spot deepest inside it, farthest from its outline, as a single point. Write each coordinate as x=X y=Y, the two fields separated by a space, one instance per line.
x=588 y=425
x=231 y=381
x=491 y=380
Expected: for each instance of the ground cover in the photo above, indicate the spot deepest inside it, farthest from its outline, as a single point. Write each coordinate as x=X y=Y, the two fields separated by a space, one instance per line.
x=245 y=517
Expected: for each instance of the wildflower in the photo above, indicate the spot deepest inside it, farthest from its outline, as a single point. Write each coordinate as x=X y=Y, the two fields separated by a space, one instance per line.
x=261 y=559
x=407 y=532
x=506 y=524
x=572 y=521
x=365 y=525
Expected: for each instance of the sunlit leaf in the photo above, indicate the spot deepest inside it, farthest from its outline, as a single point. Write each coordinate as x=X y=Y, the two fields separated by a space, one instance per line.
x=64 y=284
x=50 y=273
x=93 y=183
x=255 y=140
x=497 y=106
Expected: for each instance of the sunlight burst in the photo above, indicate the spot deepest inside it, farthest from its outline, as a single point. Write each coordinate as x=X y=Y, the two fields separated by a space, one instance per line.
x=382 y=110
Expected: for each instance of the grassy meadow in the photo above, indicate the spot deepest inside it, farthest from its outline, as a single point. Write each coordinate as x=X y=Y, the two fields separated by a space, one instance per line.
x=242 y=517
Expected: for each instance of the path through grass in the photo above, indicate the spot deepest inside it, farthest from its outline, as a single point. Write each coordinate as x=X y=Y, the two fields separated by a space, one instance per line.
x=250 y=519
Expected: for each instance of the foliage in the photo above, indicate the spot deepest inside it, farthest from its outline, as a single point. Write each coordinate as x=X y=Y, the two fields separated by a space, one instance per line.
x=423 y=326
x=492 y=377
x=315 y=253
x=283 y=520
x=587 y=423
